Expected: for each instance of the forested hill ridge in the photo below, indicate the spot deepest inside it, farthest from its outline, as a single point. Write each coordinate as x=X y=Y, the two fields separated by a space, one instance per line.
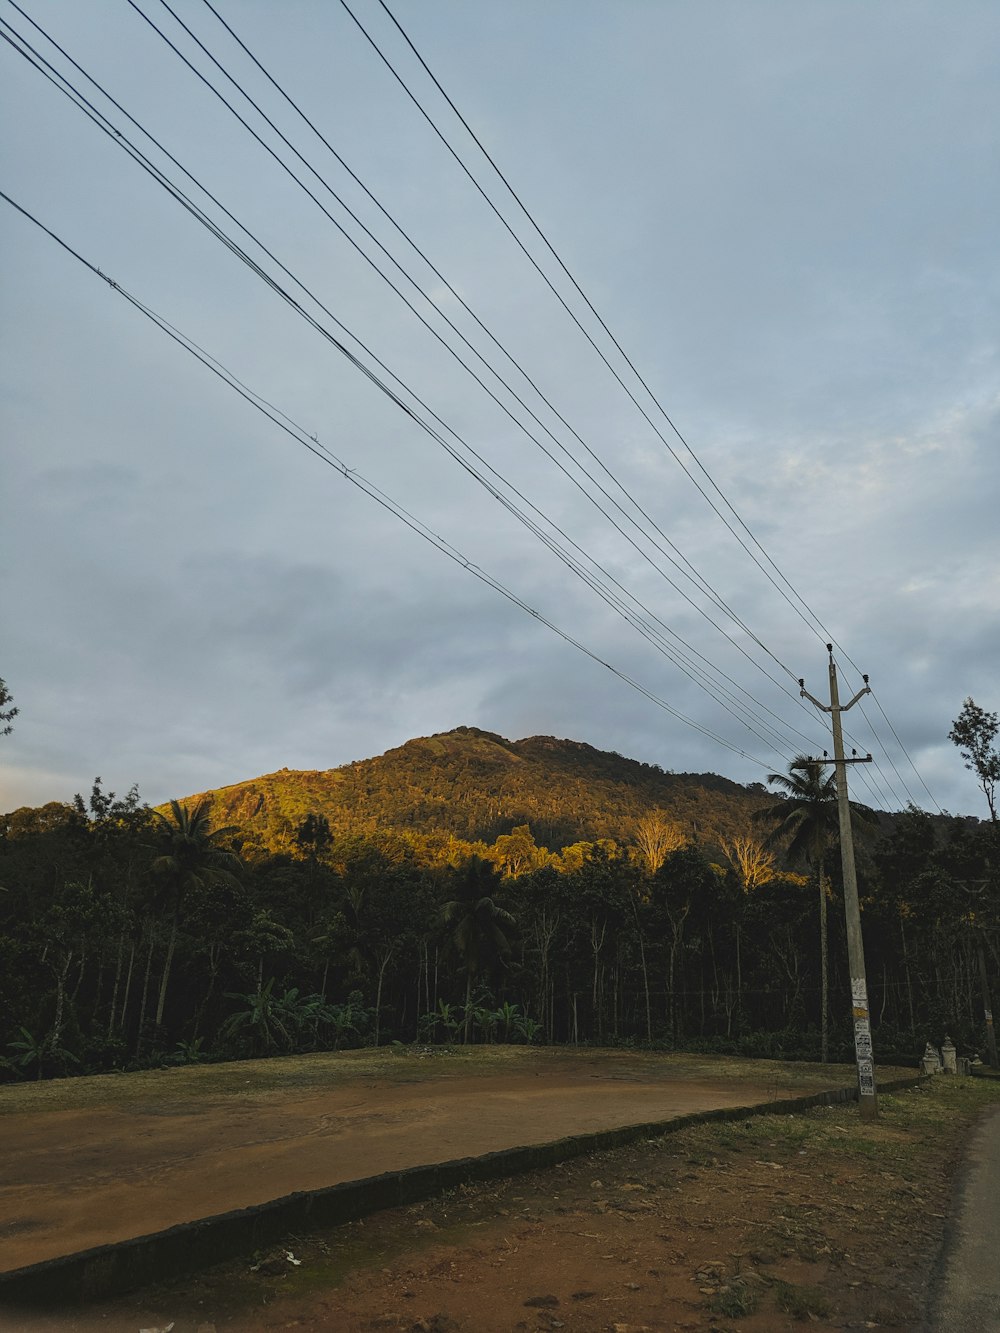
x=474 y=786
x=465 y=884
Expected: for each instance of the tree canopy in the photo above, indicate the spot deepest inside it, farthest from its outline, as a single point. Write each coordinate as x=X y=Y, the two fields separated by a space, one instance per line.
x=7 y=714
x=974 y=731
x=130 y=937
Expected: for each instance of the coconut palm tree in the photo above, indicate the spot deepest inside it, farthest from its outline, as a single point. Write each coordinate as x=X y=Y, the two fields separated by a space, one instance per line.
x=478 y=925
x=805 y=818
x=189 y=859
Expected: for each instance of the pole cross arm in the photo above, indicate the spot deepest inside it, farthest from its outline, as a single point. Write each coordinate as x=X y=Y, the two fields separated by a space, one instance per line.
x=808 y=760
x=826 y=708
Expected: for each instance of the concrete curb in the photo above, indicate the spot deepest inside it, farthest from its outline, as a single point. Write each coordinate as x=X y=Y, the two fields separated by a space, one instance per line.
x=109 y=1270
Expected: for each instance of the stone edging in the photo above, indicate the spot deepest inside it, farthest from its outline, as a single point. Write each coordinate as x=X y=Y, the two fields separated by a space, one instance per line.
x=125 y=1265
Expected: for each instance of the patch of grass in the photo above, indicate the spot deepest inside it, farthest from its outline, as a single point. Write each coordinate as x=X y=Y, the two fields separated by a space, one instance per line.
x=702 y=1159
x=243 y=1078
x=906 y=1119
x=800 y=1302
x=759 y=1135
x=737 y=1300
x=403 y=1064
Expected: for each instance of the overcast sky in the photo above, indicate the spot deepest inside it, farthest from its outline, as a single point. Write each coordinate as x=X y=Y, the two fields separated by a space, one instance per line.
x=787 y=215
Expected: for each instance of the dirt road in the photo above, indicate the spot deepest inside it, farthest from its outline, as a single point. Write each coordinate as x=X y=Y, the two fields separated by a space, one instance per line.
x=969 y=1289
x=184 y=1144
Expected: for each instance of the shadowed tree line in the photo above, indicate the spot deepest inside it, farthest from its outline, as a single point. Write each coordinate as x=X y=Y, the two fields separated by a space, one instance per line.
x=131 y=937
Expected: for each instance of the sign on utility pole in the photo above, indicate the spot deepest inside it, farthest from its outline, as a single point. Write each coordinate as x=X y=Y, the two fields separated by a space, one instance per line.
x=867 y=1096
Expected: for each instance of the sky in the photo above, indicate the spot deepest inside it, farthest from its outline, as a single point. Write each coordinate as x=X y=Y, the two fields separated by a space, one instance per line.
x=784 y=215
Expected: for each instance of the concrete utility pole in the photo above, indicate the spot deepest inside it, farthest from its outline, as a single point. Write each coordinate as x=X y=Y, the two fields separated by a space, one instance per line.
x=867 y=1096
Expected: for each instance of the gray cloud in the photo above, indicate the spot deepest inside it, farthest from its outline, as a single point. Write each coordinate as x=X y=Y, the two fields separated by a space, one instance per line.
x=787 y=214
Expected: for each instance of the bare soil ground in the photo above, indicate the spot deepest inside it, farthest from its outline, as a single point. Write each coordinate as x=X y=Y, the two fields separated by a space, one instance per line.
x=757 y=1225
x=91 y=1161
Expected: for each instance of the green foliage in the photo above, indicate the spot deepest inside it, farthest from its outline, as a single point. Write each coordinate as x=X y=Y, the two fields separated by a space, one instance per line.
x=506 y=1018
x=805 y=1303
x=805 y=820
x=129 y=938
x=189 y=1053
x=458 y=793
x=291 y=1021
x=528 y=1029
x=30 y=1051
x=269 y=1020
x=350 y=1021
x=737 y=1299
x=7 y=715
x=974 y=732
x=439 y=1025
x=43 y=1054
x=313 y=836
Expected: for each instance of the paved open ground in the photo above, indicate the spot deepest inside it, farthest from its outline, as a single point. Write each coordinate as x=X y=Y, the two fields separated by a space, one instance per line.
x=91 y=1161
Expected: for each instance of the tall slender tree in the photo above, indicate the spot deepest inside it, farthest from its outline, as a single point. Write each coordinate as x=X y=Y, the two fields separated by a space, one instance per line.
x=753 y=866
x=974 y=731
x=479 y=927
x=805 y=818
x=189 y=858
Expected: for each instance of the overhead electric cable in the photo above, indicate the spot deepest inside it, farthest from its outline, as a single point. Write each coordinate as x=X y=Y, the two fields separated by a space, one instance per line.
x=704 y=586
x=603 y=592
x=671 y=652
x=927 y=789
x=578 y=288
x=120 y=139
x=882 y=777
x=644 y=629
x=702 y=583
x=551 y=286
x=541 y=535
x=818 y=624
x=695 y=577
x=534 y=224
x=298 y=434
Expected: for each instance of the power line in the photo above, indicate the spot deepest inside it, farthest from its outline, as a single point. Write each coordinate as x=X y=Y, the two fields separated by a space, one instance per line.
x=695 y=577
x=574 y=566
x=880 y=745
x=561 y=554
x=699 y=580
x=551 y=286
x=620 y=607
x=578 y=288
x=299 y=434
x=701 y=583
x=818 y=626
x=878 y=705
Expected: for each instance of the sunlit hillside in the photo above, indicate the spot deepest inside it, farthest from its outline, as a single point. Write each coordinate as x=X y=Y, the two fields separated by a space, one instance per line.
x=474 y=785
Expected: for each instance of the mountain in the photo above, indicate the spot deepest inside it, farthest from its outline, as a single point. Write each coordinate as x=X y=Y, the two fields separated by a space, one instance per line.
x=475 y=785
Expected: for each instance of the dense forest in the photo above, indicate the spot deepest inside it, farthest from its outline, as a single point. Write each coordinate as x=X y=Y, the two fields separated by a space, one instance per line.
x=468 y=888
